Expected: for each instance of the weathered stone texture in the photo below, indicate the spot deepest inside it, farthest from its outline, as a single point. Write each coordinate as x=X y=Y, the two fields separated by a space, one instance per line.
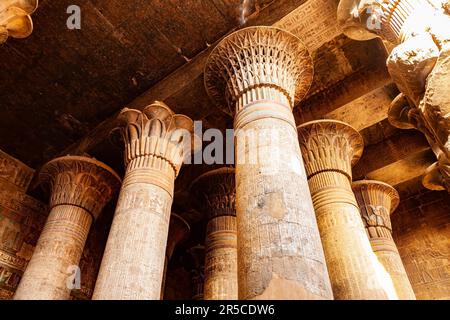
x=133 y=262
x=21 y=221
x=80 y=188
x=377 y=201
x=329 y=149
x=258 y=74
x=280 y=253
x=216 y=194
x=421 y=230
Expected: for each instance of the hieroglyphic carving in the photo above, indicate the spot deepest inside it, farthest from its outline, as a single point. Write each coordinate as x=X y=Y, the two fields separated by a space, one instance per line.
x=15 y=172
x=377 y=200
x=80 y=188
x=419 y=65
x=421 y=233
x=15 y=18
x=216 y=196
x=156 y=143
x=21 y=221
x=313 y=22
x=329 y=149
x=257 y=74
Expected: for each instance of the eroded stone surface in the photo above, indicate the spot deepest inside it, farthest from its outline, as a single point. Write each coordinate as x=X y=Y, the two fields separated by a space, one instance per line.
x=80 y=188
x=155 y=146
x=329 y=149
x=21 y=220
x=215 y=192
x=377 y=201
x=257 y=74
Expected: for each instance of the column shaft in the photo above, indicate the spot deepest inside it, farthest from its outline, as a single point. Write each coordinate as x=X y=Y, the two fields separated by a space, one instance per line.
x=377 y=201
x=259 y=73
x=280 y=254
x=221 y=259
x=80 y=188
x=52 y=268
x=329 y=149
x=133 y=261
x=352 y=265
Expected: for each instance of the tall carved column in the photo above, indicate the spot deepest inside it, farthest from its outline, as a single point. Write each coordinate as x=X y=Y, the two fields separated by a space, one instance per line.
x=329 y=149
x=80 y=188
x=215 y=191
x=15 y=19
x=155 y=146
x=377 y=200
x=258 y=74
x=178 y=231
x=419 y=65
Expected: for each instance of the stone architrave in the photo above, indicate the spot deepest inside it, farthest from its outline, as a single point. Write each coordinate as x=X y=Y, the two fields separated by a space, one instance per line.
x=156 y=144
x=258 y=74
x=215 y=193
x=377 y=200
x=329 y=149
x=80 y=188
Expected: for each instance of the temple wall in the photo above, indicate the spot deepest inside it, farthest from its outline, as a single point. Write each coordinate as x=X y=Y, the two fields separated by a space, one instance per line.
x=421 y=228
x=21 y=220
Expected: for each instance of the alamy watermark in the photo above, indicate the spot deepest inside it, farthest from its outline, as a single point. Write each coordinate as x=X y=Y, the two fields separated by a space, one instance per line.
x=74 y=19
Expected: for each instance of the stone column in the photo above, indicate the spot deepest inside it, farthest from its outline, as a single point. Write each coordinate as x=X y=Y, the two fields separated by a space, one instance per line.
x=329 y=149
x=80 y=188
x=258 y=74
x=215 y=192
x=377 y=200
x=178 y=231
x=155 y=146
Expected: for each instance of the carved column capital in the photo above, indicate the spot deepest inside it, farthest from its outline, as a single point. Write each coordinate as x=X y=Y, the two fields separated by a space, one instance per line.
x=392 y=20
x=155 y=137
x=215 y=192
x=329 y=145
x=258 y=64
x=80 y=181
x=376 y=201
x=15 y=18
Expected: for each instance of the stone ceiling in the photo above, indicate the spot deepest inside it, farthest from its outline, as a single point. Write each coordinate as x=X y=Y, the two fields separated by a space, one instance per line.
x=56 y=85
